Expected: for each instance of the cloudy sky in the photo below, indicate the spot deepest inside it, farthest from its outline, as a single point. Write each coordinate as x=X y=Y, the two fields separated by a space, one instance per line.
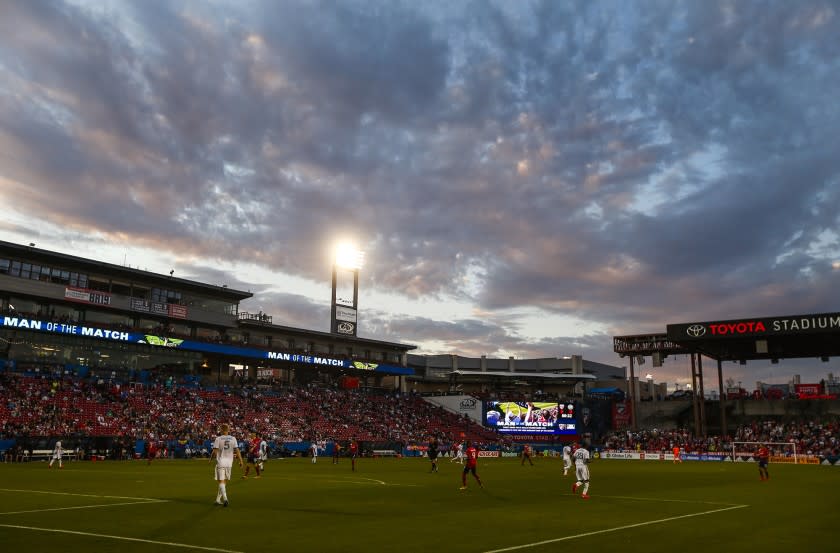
x=527 y=178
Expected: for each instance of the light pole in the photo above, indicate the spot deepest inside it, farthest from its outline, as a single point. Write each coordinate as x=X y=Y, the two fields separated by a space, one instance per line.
x=345 y=294
x=649 y=378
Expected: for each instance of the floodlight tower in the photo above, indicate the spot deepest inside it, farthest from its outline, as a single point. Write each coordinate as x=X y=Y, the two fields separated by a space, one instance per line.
x=347 y=262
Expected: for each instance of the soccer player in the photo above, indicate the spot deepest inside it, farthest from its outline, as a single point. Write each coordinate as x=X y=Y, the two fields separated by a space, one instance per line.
x=225 y=448
x=152 y=452
x=433 y=453
x=263 y=454
x=56 y=455
x=354 y=452
x=567 y=459
x=581 y=456
x=676 y=451
x=336 y=451
x=763 y=456
x=472 y=463
x=313 y=451
x=459 y=453
x=526 y=455
x=253 y=456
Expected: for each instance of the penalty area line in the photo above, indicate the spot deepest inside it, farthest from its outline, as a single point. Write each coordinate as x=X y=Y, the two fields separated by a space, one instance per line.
x=616 y=529
x=122 y=538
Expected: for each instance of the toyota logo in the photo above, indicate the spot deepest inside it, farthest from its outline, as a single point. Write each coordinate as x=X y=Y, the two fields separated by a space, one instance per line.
x=696 y=331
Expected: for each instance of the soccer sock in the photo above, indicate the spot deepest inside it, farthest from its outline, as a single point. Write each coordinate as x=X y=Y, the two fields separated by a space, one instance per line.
x=223 y=491
x=464 y=479
x=585 y=487
x=219 y=494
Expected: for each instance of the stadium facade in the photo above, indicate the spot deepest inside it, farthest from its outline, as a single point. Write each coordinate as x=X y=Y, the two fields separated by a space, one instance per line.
x=59 y=310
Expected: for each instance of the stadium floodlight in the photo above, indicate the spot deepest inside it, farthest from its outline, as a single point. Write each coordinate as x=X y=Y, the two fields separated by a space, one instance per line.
x=346 y=265
x=348 y=256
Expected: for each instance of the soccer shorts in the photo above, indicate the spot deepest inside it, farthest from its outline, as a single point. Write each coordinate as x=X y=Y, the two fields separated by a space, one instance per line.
x=567 y=463
x=222 y=473
x=582 y=473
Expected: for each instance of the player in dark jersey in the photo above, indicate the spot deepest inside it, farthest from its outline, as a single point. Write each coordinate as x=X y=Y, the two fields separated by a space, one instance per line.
x=763 y=456
x=354 y=452
x=433 y=454
x=470 y=466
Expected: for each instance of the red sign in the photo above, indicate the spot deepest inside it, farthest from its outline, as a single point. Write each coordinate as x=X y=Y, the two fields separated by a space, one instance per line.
x=808 y=389
x=177 y=311
x=621 y=414
x=744 y=327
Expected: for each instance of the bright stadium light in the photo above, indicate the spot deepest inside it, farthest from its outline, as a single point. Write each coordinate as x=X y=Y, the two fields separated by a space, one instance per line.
x=348 y=256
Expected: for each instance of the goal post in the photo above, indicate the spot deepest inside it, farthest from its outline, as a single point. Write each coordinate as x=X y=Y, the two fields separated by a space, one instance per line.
x=779 y=451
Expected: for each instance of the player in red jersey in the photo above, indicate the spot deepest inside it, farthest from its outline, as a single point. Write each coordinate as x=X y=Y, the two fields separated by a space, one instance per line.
x=763 y=457
x=253 y=455
x=354 y=452
x=152 y=452
x=336 y=451
x=470 y=466
x=526 y=455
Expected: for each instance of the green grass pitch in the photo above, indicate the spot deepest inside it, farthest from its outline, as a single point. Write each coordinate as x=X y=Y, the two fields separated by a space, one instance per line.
x=397 y=505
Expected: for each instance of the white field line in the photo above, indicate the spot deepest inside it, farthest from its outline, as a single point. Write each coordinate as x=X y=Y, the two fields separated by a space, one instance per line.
x=122 y=538
x=83 y=495
x=667 y=500
x=81 y=507
x=616 y=529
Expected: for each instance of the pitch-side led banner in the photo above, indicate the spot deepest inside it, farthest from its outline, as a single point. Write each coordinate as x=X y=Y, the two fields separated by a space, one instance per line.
x=637 y=455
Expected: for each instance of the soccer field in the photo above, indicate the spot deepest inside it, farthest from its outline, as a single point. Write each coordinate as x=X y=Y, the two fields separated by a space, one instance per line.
x=397 y=505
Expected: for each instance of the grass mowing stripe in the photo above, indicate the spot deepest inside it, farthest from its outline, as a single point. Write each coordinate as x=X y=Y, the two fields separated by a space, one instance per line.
x=616 y=529
x=81 y=507
x=123 y=538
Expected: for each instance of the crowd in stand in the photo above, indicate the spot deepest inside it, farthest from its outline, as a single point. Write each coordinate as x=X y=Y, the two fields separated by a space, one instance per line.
x=819 y=438
x=66 y=406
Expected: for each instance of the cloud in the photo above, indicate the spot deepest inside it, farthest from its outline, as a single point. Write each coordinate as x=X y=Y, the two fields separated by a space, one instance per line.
x=630 y=166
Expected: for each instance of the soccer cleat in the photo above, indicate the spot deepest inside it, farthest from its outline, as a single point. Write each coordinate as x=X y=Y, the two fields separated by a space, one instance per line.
x=217 y=503
x=584 y=496
x=463 y=488
x=225 y=503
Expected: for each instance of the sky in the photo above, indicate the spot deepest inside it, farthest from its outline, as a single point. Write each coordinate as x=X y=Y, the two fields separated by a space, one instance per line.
x=525 y=178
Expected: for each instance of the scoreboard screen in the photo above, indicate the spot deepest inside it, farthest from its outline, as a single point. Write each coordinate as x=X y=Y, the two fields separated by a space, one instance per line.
x=526 y=417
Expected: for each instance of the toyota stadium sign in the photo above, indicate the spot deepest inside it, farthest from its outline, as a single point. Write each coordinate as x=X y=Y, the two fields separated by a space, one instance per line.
x=798 y=324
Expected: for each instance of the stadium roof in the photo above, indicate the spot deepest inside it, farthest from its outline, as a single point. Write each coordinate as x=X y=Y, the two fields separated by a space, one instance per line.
x=509 y=374
x=32 y=253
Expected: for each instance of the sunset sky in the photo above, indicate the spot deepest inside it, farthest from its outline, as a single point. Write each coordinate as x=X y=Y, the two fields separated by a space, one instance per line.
x=526 y=178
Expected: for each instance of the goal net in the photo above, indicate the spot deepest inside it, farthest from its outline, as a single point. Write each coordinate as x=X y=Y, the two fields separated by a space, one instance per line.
x=780 y=452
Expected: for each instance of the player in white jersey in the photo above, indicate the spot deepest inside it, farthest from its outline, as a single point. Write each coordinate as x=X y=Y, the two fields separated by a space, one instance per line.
x=263 y=457
x=567 y=459
x=56 y=455
x=313 y=451
x=581 y=456
x=225 y=448
x=459 y=454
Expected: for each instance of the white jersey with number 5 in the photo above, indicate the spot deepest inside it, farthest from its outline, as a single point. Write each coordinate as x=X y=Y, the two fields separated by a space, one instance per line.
x=226 y=446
